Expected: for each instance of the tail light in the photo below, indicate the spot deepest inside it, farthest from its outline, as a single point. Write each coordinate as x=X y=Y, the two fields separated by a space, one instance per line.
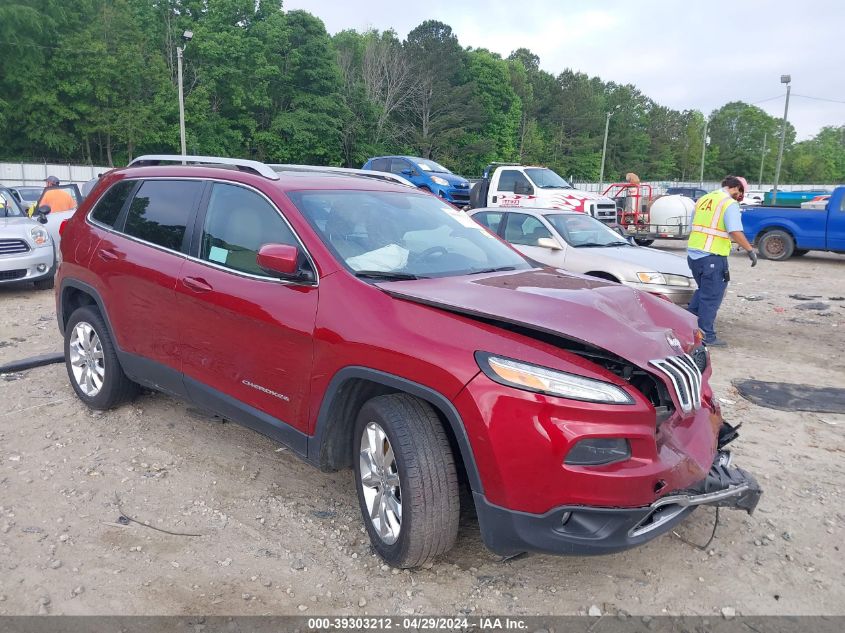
x=62 y=227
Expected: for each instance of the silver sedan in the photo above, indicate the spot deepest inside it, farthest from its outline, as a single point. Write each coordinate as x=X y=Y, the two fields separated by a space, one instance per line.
x=581 y=244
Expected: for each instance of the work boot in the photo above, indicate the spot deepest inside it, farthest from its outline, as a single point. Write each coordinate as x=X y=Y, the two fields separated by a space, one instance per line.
x=716 y=342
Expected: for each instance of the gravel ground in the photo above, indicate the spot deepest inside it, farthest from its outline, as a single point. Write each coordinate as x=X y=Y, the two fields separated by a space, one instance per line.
x=278 y=537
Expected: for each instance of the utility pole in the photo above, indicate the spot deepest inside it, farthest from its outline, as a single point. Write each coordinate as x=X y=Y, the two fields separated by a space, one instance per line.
x=703 y=148
x=604 y=147
x=762 y=160
x=180 y=50
x=784 y=79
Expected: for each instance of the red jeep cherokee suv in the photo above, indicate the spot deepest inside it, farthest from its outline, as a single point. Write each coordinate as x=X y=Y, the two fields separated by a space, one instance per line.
x=370 y=325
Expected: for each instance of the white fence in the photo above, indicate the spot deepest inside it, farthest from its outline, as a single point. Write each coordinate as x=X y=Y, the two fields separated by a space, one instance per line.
x=661 y=185
x=33 y=174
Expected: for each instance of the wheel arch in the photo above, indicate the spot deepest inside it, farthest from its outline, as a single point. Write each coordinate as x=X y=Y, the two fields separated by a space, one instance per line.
x=74 y=294
x=349 y=389
x=601 y=274
x=775 y=227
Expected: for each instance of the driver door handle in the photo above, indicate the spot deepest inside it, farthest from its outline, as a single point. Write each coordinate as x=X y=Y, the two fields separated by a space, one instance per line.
x=197 y=284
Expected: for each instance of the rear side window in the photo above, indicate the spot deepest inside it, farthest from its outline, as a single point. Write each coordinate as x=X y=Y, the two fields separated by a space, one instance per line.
x=160 y=211
x=109 y=206
x=237 y=224
x=491 y=219
x=379 y=164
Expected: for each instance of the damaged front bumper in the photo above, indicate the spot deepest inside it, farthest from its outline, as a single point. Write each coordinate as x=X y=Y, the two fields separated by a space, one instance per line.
x=589 y=530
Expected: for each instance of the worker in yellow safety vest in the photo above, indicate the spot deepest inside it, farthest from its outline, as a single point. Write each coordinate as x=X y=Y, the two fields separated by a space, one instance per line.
x=717 y=221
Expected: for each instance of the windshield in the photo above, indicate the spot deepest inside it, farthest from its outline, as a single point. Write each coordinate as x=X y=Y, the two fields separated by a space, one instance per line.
x=430 y=165
x=546 y=178
x=403 y=235
x=9 y=207
x=581 y=230
x=30 y=194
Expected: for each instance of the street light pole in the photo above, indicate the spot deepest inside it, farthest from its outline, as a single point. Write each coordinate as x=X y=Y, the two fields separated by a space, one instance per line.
x=703 y=148
x=762 y=160
x=784 y=79
x=187 y=36
x=179 y=51
x=604 y=147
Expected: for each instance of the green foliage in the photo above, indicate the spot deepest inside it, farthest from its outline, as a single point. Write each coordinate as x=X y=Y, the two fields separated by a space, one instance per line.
x=96 y=81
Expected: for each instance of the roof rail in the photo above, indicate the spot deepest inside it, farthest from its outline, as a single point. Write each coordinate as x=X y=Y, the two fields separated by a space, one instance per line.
x=241 y=164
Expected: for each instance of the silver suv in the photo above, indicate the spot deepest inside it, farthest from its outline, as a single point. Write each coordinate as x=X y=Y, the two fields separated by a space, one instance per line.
x=27 y=252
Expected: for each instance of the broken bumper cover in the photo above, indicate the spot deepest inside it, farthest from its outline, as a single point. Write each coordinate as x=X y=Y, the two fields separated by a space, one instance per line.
x=587 y=530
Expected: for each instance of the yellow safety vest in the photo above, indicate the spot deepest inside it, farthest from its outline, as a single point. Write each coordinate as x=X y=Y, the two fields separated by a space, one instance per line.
x=708 y=224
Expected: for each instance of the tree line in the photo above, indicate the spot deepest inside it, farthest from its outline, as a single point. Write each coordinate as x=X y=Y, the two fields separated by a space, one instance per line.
x=94 y=81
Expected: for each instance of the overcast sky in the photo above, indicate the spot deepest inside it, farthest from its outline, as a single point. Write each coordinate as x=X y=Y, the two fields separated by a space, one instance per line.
x=693 y=54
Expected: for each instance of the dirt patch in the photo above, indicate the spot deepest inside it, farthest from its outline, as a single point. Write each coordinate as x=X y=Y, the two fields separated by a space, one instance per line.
x=278 y=537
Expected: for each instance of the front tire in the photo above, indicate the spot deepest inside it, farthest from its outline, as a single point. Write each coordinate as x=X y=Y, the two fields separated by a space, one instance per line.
x=92 y=364
x=776 y=245
x=643 y=242
x=406 y=480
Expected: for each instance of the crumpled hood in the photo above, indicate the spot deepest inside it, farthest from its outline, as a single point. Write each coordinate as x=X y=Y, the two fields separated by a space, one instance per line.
x=631 y=324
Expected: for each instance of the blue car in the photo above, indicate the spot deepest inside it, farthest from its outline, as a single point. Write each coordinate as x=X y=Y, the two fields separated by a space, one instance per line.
x=425 y=174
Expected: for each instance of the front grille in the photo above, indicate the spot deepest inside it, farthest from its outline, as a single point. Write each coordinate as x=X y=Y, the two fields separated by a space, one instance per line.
x=685 y=376
x=8 y=275
x=13 y=247
x=460 y=195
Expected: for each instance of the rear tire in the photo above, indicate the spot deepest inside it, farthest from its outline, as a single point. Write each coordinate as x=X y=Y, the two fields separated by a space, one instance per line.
x=92 y=364
x=776 y=245
x=406 y=480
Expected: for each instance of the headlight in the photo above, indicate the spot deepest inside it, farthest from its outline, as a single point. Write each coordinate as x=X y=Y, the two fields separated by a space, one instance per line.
x=652 y=278
x=512 y=373
x=39 y=236
x=677 y=280
x=440 y=181
x=598 y=452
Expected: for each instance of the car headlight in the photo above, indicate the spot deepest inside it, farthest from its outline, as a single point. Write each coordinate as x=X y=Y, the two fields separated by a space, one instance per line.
x=527 y=377
x=39 y=236
x=677 y=280
x=652 y=278
x=440 y=181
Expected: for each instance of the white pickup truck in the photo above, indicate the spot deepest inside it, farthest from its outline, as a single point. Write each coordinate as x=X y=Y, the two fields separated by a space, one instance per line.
x=506 y=185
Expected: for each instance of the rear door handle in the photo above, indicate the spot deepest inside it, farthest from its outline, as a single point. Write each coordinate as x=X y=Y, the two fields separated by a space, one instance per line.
x=106 y=255
x=197 y=284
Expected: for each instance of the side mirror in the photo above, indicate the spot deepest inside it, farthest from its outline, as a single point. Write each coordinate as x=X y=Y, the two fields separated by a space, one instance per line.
x=523 y=188
x=282 y=260
x=42 y=213
x=548 y=242
x=407 y=172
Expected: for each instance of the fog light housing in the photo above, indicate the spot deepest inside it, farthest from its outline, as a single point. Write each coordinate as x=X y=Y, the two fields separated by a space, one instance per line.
x=42 y=268
x=599 y=451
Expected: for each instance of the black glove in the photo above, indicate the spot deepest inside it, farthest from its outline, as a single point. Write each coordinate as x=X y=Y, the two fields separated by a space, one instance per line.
x=753 y=257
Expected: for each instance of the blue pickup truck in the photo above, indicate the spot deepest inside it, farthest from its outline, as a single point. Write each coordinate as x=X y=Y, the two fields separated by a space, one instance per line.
x=781 y=232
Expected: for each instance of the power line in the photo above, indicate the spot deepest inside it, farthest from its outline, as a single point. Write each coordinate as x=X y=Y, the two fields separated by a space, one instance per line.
x=818 y=98
x=764 y=100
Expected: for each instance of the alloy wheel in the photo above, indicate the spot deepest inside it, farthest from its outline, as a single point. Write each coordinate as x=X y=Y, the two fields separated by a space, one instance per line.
x=86 y=359
x=380 y=483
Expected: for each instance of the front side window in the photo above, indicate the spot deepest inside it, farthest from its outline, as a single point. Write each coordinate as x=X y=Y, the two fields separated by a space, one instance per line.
x=509 y=178
x=397 y=165
x=160 y=211
x=237 y=224
x=525 y=230
x=402 y=234
x=110 y=205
